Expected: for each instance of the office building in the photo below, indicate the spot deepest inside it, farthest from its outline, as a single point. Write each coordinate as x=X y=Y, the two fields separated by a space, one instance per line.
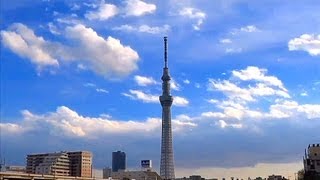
x=78 y=164
x=166 y=162
x=311 y=161
x=118 y=161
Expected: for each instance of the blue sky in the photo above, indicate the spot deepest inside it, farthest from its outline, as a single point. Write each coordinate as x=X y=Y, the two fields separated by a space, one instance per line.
x=85 y=75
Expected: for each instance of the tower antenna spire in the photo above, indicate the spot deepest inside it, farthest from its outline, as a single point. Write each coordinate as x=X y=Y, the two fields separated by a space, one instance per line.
x=165 y=52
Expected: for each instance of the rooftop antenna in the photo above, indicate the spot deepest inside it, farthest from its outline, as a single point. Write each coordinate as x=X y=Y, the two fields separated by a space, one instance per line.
x=165 y=52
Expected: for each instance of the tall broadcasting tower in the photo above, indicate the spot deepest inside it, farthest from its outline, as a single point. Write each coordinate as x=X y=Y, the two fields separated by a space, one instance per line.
x=166 y=166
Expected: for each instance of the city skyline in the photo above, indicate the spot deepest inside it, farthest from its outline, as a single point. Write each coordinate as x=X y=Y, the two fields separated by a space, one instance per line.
x=86 y=76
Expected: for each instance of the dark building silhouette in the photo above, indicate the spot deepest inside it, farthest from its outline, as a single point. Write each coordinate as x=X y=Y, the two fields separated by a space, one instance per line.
x=118 y=161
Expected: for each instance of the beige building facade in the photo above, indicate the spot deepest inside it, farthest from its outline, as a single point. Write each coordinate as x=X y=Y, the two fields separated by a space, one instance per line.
x=77 y=164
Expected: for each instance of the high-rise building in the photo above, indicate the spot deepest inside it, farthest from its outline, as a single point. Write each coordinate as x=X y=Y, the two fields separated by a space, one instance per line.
x=61 y=164
x=80 y=163
x=166 y=164
x=118 y=161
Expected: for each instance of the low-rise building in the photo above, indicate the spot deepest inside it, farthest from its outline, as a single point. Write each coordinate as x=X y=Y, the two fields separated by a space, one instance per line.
x=138 y=175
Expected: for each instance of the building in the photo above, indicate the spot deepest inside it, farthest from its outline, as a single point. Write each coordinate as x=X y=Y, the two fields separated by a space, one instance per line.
x=78 y=164
x=146 y=165
x=276 y=177
x=118 y=161
x=311 y=162
x=106 y=173
x=49 y=163
x=166 y=162
x=138 y=175
x=17 y=169
x=195 y=177
x=312 y=158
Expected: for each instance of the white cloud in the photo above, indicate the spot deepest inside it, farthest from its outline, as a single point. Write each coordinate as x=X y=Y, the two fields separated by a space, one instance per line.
x=104 y=12
x=180 y=101
x=249 y=28
x=67 y=122
x=304 y=93
x=247 y=86
x=186 y=81
x=225 y=41
x=174 y=85
x=233 y=50
x=193 y=13
x=89 y=85
x=144 y=29
x=258 y=74
x=139 y=95
x=108 y=57
x=150 y=98
x=306 y=42
x=22 y=41
x=10 y=128
x=230 y=89
x=144 y=81
x=197 y=85
x=224 y=124
x=291 y=109
x=101 y=90
x=138 y=8
x=53 y=29
x=75 y=7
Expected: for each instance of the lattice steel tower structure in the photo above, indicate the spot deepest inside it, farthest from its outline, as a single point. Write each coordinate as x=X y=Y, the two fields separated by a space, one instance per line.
x=166 y=165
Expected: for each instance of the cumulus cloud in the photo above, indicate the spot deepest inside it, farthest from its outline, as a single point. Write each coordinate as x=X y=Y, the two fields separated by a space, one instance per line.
x=108 y=57
x=104 y=12
x=144 y=29
x=138 y=8
x=257 y=74
x=246 y=87
x=306 y=42
x=144 y=81
x=22 y=41
x=150 y=98
x=67 y=122
x=193 y=13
